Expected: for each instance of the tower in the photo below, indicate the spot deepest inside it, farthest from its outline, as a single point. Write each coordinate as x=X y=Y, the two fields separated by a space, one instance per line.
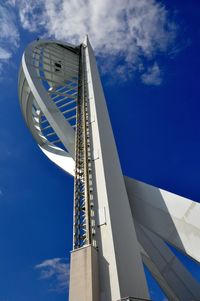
x=119 y=223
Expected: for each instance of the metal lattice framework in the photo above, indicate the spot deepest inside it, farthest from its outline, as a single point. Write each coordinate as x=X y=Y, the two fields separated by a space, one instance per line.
x=84 y=229
x=118 y=222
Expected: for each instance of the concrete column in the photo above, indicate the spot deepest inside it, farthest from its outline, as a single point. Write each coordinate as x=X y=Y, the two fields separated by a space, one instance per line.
x=120 y=264
x=84 y=277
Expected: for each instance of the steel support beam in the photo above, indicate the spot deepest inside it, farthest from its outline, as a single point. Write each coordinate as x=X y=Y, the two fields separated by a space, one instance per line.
x=181 y=282
x=158 y=276
x=172 y=217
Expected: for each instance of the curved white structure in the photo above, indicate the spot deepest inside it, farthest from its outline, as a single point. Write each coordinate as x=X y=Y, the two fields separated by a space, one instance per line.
x=118 y=222
x=48 y=82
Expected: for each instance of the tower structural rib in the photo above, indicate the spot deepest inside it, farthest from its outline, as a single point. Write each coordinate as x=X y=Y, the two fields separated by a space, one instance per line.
x=63 y=104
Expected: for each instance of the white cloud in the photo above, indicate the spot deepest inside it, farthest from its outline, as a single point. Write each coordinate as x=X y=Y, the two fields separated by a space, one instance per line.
x=4 y=54
x=11 y=2
x=152 y=76
x=128 y=31
x=57 y=270
x=32 y=14
x=9 y=35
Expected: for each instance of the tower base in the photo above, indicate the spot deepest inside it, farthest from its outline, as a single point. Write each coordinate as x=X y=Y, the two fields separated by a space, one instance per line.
x=84 y=278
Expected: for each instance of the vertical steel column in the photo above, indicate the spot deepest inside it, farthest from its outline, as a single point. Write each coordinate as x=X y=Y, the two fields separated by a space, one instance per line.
x=84 y=274
x=83 y=198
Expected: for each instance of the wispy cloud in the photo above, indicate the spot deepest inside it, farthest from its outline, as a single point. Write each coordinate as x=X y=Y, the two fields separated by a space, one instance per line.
x=11 y=2
x=57 y=271
x=4 y=54
x=152 y=76
x=9 y=35
x=32 y=14
x=124 y=33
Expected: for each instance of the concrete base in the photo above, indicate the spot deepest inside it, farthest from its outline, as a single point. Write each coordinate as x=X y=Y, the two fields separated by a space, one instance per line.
x=84 y=279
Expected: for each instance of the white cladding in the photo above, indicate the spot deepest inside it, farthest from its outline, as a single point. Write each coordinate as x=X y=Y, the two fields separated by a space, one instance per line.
x=120 y=264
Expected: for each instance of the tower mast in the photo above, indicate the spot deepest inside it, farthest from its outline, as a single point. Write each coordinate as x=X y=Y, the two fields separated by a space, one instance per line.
x=82 y=189
x=114 y=252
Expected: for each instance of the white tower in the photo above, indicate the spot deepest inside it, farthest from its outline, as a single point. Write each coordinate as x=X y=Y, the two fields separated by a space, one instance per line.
x=119 y=223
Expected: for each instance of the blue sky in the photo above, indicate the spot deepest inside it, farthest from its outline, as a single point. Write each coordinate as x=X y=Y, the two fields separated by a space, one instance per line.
x=149 y=56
